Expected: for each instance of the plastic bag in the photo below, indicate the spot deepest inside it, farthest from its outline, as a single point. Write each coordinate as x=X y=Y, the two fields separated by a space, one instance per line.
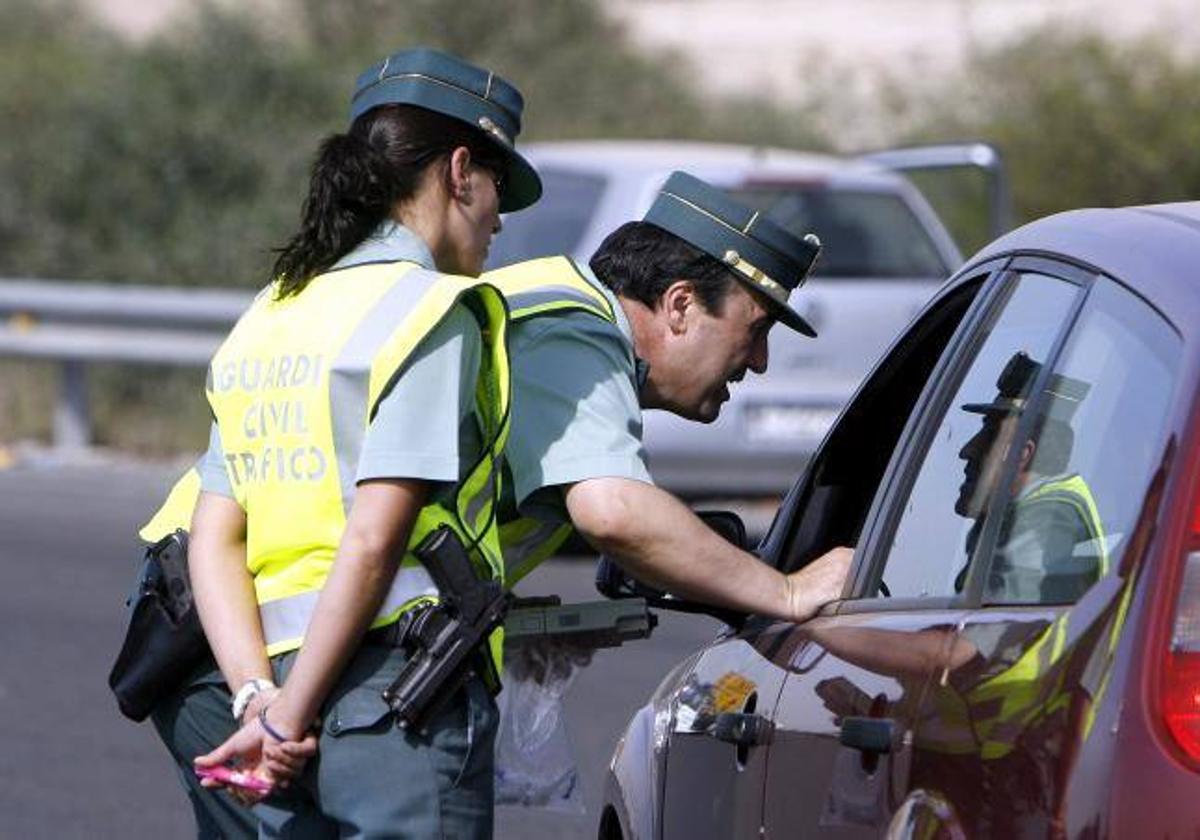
x=535 y=767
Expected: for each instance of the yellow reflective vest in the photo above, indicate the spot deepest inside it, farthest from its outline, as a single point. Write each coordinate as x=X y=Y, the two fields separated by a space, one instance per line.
x=532 y=289
x=538 y=288
x=294 y=388
x=1003 y=706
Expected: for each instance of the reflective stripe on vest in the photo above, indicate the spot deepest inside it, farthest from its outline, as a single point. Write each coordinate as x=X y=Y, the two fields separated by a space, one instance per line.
x=526 y=542
x=1032 y=687
x=536 y=288
x=548 y=285
x=1036 y=685
x=288 y=618
x=307 y=373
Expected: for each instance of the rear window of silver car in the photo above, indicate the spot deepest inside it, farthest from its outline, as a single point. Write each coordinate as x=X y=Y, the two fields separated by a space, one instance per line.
x=554 y=225
x=864 y=234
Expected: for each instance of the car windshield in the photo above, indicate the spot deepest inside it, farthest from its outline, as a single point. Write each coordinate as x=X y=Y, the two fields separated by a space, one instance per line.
x=554 y=225
x=864 y=234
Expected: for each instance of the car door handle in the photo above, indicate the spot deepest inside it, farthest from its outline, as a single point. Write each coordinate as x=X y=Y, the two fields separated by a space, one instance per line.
x=742 y=729
x=868 y=734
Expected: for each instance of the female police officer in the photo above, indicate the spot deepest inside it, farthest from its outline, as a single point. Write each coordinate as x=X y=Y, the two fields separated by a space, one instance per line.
x=360 y=403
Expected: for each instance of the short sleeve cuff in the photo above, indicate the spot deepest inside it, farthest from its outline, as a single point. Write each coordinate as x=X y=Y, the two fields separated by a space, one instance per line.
x=393 y=464
x=581 y=469
x=214 y=478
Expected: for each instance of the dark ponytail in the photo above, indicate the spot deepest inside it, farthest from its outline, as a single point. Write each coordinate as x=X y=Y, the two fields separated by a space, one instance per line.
x=359 y=176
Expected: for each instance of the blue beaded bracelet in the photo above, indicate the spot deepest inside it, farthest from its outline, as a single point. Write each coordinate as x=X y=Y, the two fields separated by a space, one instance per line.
x=270 y=730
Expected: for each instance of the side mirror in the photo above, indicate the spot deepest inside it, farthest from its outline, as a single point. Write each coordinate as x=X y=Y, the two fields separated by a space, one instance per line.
x=612 y=581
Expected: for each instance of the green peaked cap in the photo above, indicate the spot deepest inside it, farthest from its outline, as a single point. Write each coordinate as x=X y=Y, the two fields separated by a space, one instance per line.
x=451 y=86
x=770 y=260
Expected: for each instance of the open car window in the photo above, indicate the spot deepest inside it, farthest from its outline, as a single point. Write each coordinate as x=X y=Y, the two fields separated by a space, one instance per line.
x=864 y=233
x=555 y=224
x=828 y=505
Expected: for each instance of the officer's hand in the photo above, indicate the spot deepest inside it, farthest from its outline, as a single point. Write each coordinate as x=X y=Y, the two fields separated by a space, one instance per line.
x=818 y=583
x=545 y=660
x=285 y=761
x=243 y=750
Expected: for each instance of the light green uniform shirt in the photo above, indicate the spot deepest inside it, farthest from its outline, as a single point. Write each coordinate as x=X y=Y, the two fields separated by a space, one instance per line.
x=575 y=407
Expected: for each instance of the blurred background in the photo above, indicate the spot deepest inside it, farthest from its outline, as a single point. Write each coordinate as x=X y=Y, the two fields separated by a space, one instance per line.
x=168 y=143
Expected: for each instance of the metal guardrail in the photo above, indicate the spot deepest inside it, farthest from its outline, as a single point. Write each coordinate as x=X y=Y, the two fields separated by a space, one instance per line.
x=80 y=323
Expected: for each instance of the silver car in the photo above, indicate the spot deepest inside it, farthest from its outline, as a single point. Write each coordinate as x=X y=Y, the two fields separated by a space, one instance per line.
x=885 y=254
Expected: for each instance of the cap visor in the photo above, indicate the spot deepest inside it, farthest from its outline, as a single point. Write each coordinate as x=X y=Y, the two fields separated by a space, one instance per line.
x=792 y=318
x=522 y=184
x=782 y=312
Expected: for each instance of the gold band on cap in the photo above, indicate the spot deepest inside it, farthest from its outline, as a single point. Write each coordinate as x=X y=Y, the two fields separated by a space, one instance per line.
x=756 y=276
x=1060 y=395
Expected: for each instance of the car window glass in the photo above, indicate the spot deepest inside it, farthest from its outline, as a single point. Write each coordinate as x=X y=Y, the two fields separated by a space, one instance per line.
x=555 y=224
x=864 y=234
x=1097 y=437
x=945 y=507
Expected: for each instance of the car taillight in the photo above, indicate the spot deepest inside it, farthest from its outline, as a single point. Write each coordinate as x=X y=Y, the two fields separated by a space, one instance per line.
x=1181 y=674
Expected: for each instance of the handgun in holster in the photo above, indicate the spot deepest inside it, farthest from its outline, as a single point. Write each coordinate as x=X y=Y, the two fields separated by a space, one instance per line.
x=447 y=640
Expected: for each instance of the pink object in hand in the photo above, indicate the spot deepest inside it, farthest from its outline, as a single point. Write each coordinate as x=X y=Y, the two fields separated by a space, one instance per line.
x=237 y=778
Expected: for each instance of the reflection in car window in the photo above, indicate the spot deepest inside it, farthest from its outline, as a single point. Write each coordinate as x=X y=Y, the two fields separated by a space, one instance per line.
x=945 y=509
x=864 y=234
x=552 y=226
x=1073 y=501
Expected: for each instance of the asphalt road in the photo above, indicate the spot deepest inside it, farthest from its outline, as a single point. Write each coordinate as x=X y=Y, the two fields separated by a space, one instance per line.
x=71 y=766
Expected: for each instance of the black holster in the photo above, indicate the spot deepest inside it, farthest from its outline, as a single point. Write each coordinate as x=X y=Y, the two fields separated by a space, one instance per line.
x=447 y=641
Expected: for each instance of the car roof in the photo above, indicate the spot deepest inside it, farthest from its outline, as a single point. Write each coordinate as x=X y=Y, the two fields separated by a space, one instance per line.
x=716 y=162
x=1154 y=249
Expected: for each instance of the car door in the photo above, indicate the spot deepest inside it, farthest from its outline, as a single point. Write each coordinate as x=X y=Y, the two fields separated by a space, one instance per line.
x=1015 y=738
x=716 y=760
x=845 y=725
x=723 y=728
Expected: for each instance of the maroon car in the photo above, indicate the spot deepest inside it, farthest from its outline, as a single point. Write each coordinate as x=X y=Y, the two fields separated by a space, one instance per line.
x=1017 y=653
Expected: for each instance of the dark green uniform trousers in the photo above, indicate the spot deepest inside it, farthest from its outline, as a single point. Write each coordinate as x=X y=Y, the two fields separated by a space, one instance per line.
x=192 y=722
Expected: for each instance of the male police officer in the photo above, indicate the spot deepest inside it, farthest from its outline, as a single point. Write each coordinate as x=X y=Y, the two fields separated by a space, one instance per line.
x=680 y=305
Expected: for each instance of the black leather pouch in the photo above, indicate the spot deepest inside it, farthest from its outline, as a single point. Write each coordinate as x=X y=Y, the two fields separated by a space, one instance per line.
x=165 y=641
